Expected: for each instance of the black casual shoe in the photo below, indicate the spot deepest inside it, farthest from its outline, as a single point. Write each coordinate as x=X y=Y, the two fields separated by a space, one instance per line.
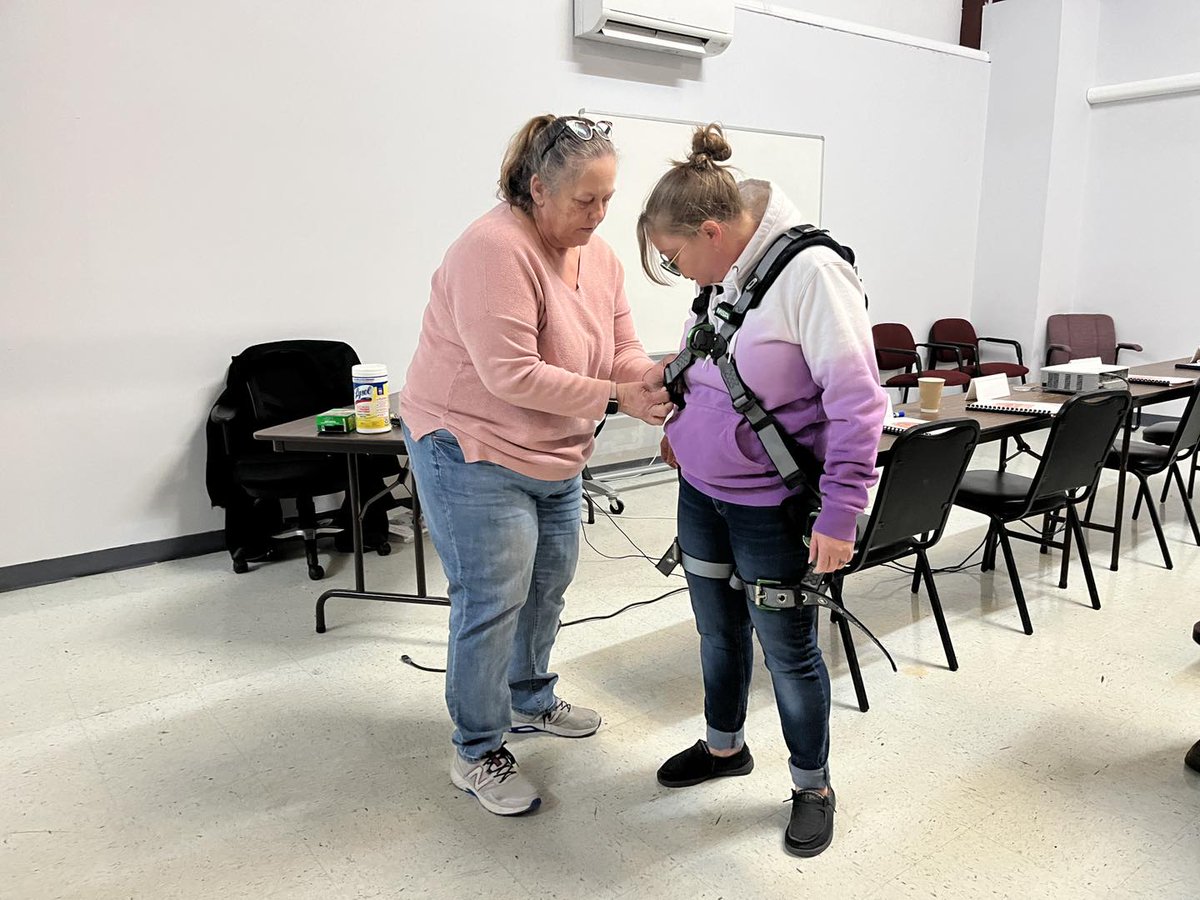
x=1192 y=760
x=810 y=829
x=696 y=764
x=1196 y=632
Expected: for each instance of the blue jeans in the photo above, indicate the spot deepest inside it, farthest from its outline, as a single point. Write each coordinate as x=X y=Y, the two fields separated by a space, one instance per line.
x=761 y=543
x=509 y=545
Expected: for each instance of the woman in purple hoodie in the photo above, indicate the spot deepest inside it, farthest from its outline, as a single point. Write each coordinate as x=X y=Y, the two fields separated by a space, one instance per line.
x=806 y=352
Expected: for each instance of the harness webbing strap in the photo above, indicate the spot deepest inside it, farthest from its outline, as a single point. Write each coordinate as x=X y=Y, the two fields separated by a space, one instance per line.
x=800 y=596
x=705 y=569
x=795 y=464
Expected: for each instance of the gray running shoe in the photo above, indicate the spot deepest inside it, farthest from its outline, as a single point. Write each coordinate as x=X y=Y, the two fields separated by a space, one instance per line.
x=561 y=719
x=495 y=782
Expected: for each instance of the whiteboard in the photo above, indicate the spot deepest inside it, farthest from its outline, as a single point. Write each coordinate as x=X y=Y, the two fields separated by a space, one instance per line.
x=645 y=147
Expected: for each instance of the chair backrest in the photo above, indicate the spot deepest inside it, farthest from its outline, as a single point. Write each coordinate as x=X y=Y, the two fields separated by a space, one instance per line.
x=286 y=380
x=1087 y=334
x=958 y=331
x=919 y=483
x=1079 y=441
x=1187 y=435
x=896 y=336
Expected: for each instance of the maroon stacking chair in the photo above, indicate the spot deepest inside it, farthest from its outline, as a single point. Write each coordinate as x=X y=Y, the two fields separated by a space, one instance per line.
x=896 y=349
x=961 y=334
x=1082 y=335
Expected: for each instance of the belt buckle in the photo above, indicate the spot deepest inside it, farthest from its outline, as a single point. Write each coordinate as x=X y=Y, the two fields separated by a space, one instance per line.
x=769 y=595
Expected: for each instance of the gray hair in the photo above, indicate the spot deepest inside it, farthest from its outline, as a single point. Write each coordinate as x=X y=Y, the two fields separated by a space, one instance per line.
x=527 y=155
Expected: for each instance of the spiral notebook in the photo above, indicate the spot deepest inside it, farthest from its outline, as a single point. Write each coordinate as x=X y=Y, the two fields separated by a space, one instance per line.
x=1017 y=407
x=900 y=424
x=1160 y=380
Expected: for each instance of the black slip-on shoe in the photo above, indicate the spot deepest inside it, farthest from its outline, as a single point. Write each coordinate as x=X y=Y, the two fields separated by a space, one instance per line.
x=1192 y=760
x=1196 y=632
x=810 y=830
x=696 y=764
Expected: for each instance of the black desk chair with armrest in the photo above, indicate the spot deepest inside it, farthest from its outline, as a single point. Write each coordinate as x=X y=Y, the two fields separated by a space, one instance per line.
x=269 y=384
x=1148 y=459
x=913 y=502
x=1079 y=441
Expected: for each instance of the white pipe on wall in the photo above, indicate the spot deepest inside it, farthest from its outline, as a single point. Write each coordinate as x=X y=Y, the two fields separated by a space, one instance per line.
x=1138 y=90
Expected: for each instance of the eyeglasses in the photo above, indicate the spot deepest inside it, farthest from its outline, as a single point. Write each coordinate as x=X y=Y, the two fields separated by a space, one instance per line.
x=584 y=129
x=669 y=264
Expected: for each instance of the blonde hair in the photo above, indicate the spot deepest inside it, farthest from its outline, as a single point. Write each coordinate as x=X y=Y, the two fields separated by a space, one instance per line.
x=693 y=191
x=527 y=155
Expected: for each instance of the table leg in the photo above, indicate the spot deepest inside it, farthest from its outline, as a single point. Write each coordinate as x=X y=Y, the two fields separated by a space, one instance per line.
x=419 y=545
x=356 y=521
x=1126 y=432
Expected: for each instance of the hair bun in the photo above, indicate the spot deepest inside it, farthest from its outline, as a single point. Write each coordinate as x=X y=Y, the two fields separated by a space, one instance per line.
x=709 y=146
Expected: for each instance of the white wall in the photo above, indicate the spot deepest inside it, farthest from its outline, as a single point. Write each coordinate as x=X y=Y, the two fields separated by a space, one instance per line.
x=182 y=180
x=1090 y=209
x=937 y=20
x=1142 y=223
x=1022 y=39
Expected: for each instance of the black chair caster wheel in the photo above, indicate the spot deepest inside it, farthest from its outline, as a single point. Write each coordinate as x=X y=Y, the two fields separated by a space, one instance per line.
x=316 y=573
x=616 y=507
x=384 y=549
x=240 y=567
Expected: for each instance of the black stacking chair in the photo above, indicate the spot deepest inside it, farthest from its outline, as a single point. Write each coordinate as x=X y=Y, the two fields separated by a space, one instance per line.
x=1146 y=460
x=1080 y=439
x=912 y=505
x=1163 y=433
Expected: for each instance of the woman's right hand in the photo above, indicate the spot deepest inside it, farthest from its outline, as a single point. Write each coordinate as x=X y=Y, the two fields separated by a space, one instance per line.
x=667 y=454
x=638 y=399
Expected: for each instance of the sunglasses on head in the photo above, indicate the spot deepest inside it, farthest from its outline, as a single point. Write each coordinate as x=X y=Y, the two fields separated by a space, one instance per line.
x=584 y=129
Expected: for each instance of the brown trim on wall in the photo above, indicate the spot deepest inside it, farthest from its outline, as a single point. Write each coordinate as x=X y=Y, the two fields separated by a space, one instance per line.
x=970 y=34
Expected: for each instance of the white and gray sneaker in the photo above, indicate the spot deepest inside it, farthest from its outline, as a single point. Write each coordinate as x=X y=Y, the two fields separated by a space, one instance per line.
x=561 y=719
x=495 y=782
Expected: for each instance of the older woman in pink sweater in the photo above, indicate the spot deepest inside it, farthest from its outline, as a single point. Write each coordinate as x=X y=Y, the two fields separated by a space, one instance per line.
x=526 y=344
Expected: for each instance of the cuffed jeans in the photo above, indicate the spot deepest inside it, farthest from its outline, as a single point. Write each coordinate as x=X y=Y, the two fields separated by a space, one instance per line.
x=509 y=545
x=761 y=543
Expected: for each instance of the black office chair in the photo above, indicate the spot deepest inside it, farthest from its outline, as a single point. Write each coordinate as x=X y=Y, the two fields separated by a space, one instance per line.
x=912 y=504
x=269 y=384
x=1146 y=460
x=1076 y=447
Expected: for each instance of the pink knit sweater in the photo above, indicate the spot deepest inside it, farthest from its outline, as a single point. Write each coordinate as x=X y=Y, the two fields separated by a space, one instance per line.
x=512 y=361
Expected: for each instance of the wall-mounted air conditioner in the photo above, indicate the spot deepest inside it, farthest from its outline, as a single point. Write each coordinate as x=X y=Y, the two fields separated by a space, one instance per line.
x=683 y=27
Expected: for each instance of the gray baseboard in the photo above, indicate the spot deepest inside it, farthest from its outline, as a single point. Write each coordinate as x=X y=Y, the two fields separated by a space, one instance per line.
x=47 y=571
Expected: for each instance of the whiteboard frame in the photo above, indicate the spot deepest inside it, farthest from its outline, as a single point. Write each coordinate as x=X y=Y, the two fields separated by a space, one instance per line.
x=593 y=114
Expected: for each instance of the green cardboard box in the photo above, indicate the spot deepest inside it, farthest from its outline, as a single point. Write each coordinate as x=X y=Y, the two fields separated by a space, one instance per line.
x=336 y=421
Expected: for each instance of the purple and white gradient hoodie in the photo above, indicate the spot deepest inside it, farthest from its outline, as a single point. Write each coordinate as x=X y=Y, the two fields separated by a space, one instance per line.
x=806 y=352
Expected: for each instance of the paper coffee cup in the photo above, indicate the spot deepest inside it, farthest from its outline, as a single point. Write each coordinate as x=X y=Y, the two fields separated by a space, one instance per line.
x=930 y=391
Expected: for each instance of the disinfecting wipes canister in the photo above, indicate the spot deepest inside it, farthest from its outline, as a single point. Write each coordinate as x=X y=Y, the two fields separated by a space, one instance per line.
x=371 y=398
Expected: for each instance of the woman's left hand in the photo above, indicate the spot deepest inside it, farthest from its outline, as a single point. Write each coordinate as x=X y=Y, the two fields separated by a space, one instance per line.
x=829 y=554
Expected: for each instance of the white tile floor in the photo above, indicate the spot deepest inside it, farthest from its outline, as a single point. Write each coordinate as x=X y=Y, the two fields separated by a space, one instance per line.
x=179 y=731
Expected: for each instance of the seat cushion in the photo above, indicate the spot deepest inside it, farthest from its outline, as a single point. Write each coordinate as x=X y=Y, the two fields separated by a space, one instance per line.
x=290 y=474
x=1146 y=457
x=953 y=377
x=989 y=491
x=1011 y=370
x=1160 y=432
x=1003 y=494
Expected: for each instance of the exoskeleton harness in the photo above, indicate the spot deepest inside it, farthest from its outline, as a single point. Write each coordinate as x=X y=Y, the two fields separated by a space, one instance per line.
x=796 y=464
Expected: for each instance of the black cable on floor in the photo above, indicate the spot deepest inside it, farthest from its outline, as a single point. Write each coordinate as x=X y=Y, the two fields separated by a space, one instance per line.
x=408 y=660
